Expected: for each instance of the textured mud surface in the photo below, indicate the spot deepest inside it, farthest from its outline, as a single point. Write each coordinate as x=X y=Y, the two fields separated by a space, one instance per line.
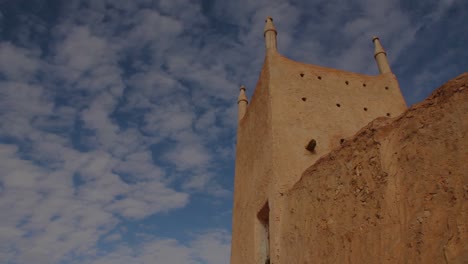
x=396 y=192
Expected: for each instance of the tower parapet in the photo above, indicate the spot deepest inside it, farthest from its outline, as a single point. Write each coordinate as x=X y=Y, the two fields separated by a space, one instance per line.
x=380 y=56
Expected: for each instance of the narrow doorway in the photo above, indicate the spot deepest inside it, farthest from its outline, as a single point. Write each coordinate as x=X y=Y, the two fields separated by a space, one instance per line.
x=264 y=220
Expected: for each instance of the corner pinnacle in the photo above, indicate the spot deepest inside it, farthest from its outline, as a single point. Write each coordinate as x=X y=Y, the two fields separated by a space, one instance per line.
x=242 y=96
x=380 y=56
x=242 y=103
x=270 y=34
x=378 y=46
x=269 y=26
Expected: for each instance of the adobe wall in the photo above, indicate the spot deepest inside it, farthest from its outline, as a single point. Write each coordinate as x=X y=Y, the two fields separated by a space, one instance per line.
x=292 y=104
x=313 y=102
x=252 y=175
x=394 y=193
x=328 y=105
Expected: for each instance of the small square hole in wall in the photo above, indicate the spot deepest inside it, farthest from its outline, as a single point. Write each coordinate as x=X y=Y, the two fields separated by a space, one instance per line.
x=311 y=145
x=302 y=74
x=346 y=82
x=365 y=108
x=304 y=99
x=319 y=77
x=386 y=87
x=364 y=85
x=338 y=105
x=388 y=114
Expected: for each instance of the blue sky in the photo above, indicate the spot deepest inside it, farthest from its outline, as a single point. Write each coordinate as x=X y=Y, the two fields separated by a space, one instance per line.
x=118 y=118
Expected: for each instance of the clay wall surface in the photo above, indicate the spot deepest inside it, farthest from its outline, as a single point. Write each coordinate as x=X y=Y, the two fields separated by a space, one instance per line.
x=253 y=170
x=328 y=105
x=292 y=104
x=397 y=192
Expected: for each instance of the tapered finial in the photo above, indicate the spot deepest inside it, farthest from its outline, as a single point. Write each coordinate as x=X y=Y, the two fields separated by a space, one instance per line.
x=270 y=34
x=242 y=103
x=380 y=56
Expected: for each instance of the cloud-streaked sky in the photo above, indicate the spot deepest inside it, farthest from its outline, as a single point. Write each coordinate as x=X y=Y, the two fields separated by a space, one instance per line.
x=118 y=118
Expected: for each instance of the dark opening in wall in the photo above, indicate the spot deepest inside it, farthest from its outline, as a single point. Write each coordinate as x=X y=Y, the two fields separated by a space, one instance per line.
x=388 y=114
x=302 y=75
x=304 y=99
x=365 y=108
x=263 y=217
x=342 y=141
x=346 y=82
x=338 y=105
x=386 y=87
x=311 y=145
x=319 y=77
x=364 y=84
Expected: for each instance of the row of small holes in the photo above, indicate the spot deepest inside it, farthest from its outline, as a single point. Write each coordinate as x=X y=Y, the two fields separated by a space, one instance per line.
x=338 y=105
x=365 y=108
x=346 y=82
x=318 y=77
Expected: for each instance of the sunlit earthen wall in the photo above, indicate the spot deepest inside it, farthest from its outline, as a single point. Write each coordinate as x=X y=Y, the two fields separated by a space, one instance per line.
x=292 y=104
x=395 y=193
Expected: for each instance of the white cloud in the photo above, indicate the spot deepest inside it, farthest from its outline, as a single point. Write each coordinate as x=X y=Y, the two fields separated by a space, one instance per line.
x=17 y=63
x=140 y=164
x=152 y=28
x=148 y=198
x=20 y=103
x=169 y=119
x=157 y=251
x=212 y=247
x=81 y=51
x=62 y=221
x=152 y=85
x=189 y=156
